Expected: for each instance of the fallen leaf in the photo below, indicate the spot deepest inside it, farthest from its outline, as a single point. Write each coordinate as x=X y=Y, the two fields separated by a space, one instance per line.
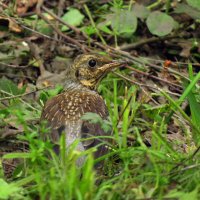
x=22 y=6
x=12 y=24
x=160 y=27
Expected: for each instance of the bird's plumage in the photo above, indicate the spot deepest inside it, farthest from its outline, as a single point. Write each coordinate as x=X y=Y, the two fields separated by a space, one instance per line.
x=64 y=112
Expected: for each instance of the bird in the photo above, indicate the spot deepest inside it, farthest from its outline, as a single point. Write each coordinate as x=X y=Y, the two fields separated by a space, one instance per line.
x=64 y=112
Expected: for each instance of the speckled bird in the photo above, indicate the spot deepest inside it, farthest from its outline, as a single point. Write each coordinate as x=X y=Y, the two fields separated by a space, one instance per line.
x=64 y=112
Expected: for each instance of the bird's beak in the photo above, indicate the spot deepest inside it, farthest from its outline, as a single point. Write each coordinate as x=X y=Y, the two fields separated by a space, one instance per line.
x=103 y=70
x=112 y=65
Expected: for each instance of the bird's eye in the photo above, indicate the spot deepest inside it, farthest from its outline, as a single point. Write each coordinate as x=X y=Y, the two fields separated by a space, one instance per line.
x=92 y=63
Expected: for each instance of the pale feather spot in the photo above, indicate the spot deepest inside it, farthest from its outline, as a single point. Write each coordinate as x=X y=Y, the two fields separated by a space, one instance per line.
x=56 y=113
x=71 y=112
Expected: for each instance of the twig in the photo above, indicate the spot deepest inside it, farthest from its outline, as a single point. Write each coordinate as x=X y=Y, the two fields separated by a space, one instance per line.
x=195 y=152
x=173 y=171
x=69 y=39
x=133 y=59
x=185 y=169
x=41 y=34
x=173 y=63
x=35 y=51
x=154 y=4
x=7 y=93
x=154 y=77
x=76 y=30
x=4 y=5
x=56 y=35
x=27 y=14
x=13 y=66
x=21 y=95
x=45 y=36
x=144 y=85
x=16 y=75
x=148 y=40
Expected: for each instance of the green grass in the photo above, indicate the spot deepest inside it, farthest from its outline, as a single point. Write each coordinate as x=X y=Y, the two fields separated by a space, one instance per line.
x=132 y=170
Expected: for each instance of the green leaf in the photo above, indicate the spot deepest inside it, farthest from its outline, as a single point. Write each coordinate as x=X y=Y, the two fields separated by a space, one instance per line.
x=7 y=190
x=106 y=30
x=43 y=27
x=89 y=30
x=194 y=104
x=94 y=118
x=40 y=25
x=72 y=17
x=103 y=26
x=8 y=88
x=194 y=3
x=140 y=11
x=17 y=155
x=195 y=108
x=159 y=23
x=45 y=95
x=123 y=22
x=175 y=194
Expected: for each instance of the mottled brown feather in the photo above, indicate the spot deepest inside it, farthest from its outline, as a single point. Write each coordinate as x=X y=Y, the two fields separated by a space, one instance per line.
x=68 y=107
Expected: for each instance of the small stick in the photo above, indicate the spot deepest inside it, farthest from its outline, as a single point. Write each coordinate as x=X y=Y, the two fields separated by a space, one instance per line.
x=22 y=95
x=76 y=30
x=71 y=40
x=143 y=85
x=148 y=40
x=151 y=76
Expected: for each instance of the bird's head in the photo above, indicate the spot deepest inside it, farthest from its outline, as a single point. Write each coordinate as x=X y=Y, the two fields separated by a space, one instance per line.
x=89 y=69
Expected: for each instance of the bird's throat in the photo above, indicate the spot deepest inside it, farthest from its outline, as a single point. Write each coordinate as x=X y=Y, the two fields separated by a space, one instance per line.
x=89 y=83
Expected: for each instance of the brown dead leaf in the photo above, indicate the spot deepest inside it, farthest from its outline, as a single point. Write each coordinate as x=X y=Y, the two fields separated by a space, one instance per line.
x=12 y=24
x=22 y=6
x=20 y=84
x=10 y=132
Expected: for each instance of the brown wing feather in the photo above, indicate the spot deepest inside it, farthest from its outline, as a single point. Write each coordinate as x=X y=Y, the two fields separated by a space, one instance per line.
x=64 y=111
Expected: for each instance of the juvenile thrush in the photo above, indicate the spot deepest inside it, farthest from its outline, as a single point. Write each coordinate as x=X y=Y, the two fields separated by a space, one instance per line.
x=64 y=112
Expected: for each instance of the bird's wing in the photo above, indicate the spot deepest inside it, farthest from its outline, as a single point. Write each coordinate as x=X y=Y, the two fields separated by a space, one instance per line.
x=64 y=113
